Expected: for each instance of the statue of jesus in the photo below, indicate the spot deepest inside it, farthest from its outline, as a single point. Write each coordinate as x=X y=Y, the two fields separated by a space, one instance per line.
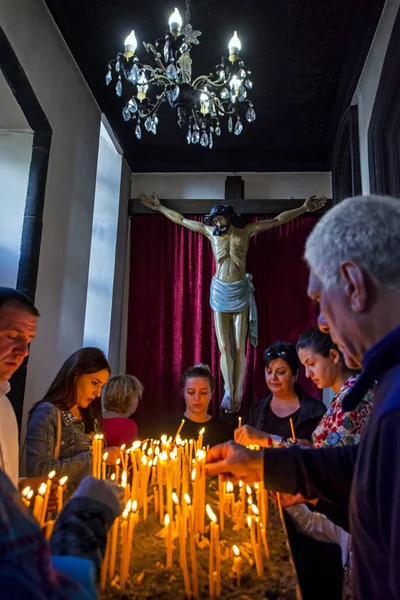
x=231 y=293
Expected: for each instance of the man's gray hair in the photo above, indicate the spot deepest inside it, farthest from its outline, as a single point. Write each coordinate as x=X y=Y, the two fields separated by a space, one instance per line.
x=364 y=229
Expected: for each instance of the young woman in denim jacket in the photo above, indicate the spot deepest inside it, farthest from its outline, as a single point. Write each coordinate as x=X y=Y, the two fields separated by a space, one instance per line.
x=75 y=393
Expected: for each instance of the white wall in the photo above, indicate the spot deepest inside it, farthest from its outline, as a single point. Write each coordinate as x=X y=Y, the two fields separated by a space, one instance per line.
x=15 y=158
x=367 y=86
x=65 y=251
x=212 y=185
x=103 y=245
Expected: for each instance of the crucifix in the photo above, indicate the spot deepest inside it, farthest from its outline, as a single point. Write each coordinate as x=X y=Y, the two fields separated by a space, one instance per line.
x=232 y=290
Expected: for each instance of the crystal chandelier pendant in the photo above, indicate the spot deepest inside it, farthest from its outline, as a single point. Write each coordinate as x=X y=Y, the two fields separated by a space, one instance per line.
x=211 y=142
x=148 y=123
x=251 y=114
x=189 y=136
x=238 y=127
x=171 y=71
x=118 y=88
x=132 y=104
x=249 y=84
x=230 y=125
x=138 y=131
x=108 y=78
x=204 y=139
x=126 y=113
x=195 y=137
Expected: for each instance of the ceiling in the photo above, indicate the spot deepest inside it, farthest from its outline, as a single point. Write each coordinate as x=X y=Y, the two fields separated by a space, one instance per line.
x=11 y=116
x=305 y=55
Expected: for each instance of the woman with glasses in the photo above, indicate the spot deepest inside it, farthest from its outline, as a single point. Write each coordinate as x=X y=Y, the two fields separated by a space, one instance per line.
x=287 y=407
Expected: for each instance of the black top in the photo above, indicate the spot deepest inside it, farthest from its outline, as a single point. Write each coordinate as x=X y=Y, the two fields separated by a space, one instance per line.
x=216 y=431
x=369 y=471
x=305 y=418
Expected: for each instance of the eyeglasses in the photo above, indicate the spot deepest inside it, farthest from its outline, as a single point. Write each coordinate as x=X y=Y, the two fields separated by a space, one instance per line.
x=273 y=352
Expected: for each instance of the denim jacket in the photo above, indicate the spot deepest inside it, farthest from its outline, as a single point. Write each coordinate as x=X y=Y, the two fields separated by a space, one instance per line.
x=75 y=458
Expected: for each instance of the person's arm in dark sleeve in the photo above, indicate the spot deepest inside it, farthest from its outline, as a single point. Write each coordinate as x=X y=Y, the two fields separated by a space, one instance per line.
x=315 y=473
x=387 y=489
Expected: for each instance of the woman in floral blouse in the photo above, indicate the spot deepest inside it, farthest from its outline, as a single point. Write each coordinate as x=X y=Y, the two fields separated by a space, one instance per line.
x=325 y=366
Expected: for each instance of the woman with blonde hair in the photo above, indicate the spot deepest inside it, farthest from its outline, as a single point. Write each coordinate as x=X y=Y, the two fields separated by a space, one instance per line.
x=121 y=398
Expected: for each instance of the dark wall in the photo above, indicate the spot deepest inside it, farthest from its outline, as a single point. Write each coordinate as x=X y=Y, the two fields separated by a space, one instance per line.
x=384 y=128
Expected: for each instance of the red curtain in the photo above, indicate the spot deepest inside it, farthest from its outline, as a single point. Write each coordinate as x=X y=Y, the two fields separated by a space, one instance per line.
x=170 y=324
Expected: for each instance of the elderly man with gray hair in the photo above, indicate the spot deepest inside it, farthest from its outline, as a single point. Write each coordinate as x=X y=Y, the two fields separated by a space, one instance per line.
x=354 y=259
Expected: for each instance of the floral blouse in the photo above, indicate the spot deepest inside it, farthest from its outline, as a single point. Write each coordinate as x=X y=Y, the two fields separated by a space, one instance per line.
x=338 y=428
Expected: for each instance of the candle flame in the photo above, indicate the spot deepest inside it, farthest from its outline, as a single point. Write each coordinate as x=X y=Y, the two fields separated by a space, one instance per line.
x=149 y=451
x=123 y=447
x=144 y=447
x=255 y=510
x=134 y=506
x=163 y=439
x=166 y=520
x=128 y=505
x=229 y=487
x=124 y=478
x=96 y=437
x=157 y=451
x=187 y=498
x=248 y=521
x=144 y=460
x=240 y=483
x=42 y=489
x=155 y=460
x=105 y=456
x=202 y=430
x=190 y=441
x=164 y=456
x=51 y=475
x=236 y=550
x=249 y=490
x=26 y=491
x=63 y=480
x=113 y=477
x=150 y=463
x=210 y=513
x=256 y=486
x=194 y=474
x=29 y=495
x=175 y=497
x=249 y=500
x=200 y=455
x=136 y=445
x=118 y=461
x=125 y=514
x=178 y=440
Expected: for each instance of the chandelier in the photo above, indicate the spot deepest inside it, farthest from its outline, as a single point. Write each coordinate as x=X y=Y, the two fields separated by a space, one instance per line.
x=202 y=104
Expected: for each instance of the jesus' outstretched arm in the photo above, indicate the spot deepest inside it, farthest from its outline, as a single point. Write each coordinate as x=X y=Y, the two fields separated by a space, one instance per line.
x=310 y=205
x=153 y=202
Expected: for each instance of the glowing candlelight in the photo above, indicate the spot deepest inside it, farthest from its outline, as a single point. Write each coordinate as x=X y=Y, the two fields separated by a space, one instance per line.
x=103 y=466
x=179 y=430
x=60 y=491
x=167 y=523
x=38 y=505
x=237 y=564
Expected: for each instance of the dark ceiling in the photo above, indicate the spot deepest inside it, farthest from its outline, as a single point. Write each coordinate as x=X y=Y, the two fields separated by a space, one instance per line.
x=305 y=56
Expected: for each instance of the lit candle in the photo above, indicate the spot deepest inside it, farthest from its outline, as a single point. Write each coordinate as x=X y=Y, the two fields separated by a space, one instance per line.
x=24 y=495
x=239 y=425
x=104 y=465
x=179 y=430
x=230 y=498
x=200 y=439
x=214 y=575
x=117 y=469
x=124 y=535
x=94 y=454
x=193 y=556
x=167 y=523
x=237 y=564
x=60 y=491
x=46 y=497
x=38 y=504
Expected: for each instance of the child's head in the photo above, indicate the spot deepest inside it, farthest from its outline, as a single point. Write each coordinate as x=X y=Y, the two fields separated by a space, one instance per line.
x=122 y=394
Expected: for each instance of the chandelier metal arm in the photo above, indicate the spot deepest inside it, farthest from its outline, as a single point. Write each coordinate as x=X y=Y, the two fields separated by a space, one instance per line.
x=150 y=48
x=156 y=106
x=203 y=78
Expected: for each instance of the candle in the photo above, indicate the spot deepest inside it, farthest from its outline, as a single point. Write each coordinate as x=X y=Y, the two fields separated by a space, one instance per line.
x=292 y=428
x=200 y=438
x=46 y=497
x=29 y=498
x=94 y=454
x=230 y=498
x=214 y=575
x=181 y=527
x=264 y=540
x=60 y=491
x=49 y=529
x=190 y=451
x=114 y=541
x=24 y=495
x=278 y=498
x=179 y=430
x=117 y=469
x=104 y=465
x=239 y=425
x=167 y=523
x=38 y=504
x=193 y=556
x=103 y=576
x=237 y=564
x=124 y=535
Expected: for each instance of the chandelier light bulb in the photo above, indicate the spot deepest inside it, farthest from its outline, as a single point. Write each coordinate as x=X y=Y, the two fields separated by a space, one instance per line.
x=234 y=45
x=131 y=43
x=175 y=21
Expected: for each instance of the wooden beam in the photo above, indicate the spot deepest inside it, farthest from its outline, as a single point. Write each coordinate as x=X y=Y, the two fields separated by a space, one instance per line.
x=242 y=207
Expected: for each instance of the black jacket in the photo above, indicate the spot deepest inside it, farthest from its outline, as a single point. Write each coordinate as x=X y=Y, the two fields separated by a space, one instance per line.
x=368 y=474
x=311 y=412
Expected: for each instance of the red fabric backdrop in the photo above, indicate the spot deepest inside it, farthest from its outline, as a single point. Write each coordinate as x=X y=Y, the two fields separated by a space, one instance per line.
x=170 y=324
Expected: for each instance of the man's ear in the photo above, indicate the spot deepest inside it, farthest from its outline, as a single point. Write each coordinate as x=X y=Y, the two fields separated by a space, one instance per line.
x=354 y=285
